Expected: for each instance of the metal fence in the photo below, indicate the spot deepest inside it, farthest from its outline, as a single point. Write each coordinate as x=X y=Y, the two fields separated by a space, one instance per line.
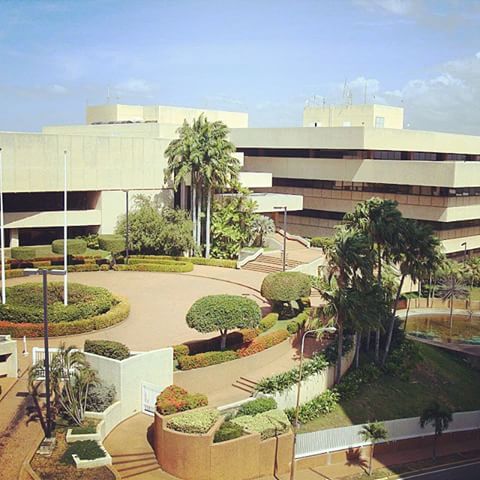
x=322 y=441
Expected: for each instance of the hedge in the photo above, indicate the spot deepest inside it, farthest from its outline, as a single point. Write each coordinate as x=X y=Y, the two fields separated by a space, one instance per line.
x=206 y=359
x=22 y=253
x=198 y=421
x=268 y=424
x=263 y=342
x=112 y=243
x=176 y=399
x=212 y=262
x=75 y=246
x=321 y=242
x=286 y=286
x=116 y=314
x=180 y=351
x=268 y=321
x=107 y=348
x=318 y=406
x=179 y=267
x=256 y=406
x=297 y=323
x=85 y=450
x=235 y=339
x=228 y=431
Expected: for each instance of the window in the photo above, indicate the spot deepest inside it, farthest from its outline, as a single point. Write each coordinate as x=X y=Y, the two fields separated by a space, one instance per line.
x=379 y=122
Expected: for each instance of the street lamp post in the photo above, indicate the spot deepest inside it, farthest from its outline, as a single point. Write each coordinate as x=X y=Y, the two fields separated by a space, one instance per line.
x=44 y=273
x=65 y=230
x=464 y=245
x=284 y=256
x=2 y=233
x=126 y=226
x=299 y=386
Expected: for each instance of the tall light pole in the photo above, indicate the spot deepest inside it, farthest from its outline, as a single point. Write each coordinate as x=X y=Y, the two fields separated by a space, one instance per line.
x=2 y=233
x=464 y=245
x=127 y=226
x=299 y=386
x=284 y=256
x=43 y=272
x=65 y=232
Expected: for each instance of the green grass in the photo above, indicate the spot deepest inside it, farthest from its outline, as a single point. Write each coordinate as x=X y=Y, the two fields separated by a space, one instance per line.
x=440 y=375
x=46 y=251
x=279 y=325
x=475 y=293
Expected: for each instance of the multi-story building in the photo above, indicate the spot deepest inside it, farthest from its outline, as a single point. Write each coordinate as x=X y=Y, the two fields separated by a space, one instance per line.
x=434 y=177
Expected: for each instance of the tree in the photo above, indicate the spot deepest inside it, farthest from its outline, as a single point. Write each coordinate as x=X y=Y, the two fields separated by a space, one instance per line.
x=450 y=289
x=379 y=219
x=417 y=254
x=154 y=230
x=373 y=432
x=439 y=417
x=223 y=313
x=203 y=154
x=262 y=226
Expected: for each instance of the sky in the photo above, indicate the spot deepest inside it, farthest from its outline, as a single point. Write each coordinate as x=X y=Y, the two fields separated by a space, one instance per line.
x=266 y=57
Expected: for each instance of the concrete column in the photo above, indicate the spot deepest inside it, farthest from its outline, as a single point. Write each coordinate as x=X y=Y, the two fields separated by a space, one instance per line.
x=14 y=242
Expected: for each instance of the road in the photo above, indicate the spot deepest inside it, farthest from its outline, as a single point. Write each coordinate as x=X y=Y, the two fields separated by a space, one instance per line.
x=461 y=472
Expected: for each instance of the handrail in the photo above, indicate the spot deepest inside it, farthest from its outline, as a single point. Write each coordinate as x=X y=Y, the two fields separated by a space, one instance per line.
x=249 y=258
x=296 y=238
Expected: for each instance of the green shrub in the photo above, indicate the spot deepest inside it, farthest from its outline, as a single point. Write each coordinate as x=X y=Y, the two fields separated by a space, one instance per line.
x=180 y=351
x=351 y=383
x=112 y=243
x=322 y=242
x=91 y=239
x=223 y=313
x=212 y=262
x=268 y=424
x=84 y=430
x=176 y=399
x=286 y=286
x=107 y=348
x=206 y=359
x=100 y=397
x=262 y=343
x=85 y=450
x=75 y=246
x=23 y=253
x=403 y=359
x=297 y=323
x=331 y=352
x=179 y=267
x=104 y=268
x=199 y=421
x=227 y=431
x=318 y=406
x=268 y=321
x=256 y=406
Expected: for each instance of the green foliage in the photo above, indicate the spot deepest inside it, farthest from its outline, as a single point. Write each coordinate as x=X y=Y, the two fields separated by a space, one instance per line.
x=374 y=432
x=261 y=227
x=403 y=359
x=100 y=397
x=160 y=266
x=223 y=312
x=112 y=243
x=263 y=342
x=268 y=321
x=84 y=429
x=189 y=362
x=232 y=223
x=91 y=239
x=175 y=399
x=353 y=381
x=75 y=246
x=286 y=286
x=227 y=431
x=211 y=262
x=85 y=450
x=197 y=422
x=180 y=351
x=259 y=405
x=269 y=424
x=331 y=351
x=23 y=253
x=322 y=242
x=107 y=348
x=437 y=415
x=25 y=303
x=318 y=406
x=156 y=231
x=297 y=323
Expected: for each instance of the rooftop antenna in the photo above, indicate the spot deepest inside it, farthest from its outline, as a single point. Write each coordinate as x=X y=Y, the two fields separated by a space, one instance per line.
x=108 y=94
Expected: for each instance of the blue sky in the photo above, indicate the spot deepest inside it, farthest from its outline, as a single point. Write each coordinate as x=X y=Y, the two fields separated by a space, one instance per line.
x=266 y=57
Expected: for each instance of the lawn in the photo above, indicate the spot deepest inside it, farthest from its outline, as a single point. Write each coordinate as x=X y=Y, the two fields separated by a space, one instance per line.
x=475 y=293
x=46 y=251
x=440 y=375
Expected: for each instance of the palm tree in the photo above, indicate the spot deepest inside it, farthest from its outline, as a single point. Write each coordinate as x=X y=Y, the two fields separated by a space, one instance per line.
x=439 y=417
x=416 y=253
x=373 y=433
x=379 y=219
x=450 y=289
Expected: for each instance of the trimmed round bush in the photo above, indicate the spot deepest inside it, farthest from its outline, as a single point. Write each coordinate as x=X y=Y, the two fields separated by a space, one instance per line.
x=286 y=286
x=223 y=313
x=268 y=321
x=258 y=405
x=112 y=243
x=180 y=351
x=176 y=399
x=107 y=348
x=228 y=431
x=23 y=253
x=75 y=246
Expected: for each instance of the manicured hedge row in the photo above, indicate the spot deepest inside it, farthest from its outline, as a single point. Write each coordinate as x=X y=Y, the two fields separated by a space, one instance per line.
x=107 y=348
x=116 y=314
x=176 y=399
x=228 y=431
x=268 y=321
x=199 y=421
x=87 y=267
x=267 y=424
x=321 y=242
x=189 y=362
x=263 y=342
x=256 y=406
x=75 y=246
x=173 y=266
x=112 y=243
x=295 y=324
x=22 y=253
x=212 y=262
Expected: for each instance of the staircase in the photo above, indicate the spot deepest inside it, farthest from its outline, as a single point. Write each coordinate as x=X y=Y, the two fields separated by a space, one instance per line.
x=130 y=465
x=270 y=263
x=245 y=384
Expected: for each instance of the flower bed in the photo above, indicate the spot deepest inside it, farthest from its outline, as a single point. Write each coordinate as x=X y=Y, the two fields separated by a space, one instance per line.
x=267 y=424
x=175 y=399
x=198 y=421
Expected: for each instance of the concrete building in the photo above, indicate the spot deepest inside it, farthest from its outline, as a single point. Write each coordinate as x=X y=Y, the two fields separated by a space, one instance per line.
x=435 y=177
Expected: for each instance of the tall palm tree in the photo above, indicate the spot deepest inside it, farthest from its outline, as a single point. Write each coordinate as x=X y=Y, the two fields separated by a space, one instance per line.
x=373 y=433
x=379 y=219
x=416 y=253
x=450 y=289
x=439 y=416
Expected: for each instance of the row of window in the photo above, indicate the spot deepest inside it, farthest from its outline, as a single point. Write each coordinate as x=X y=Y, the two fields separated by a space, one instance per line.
x=376 y=187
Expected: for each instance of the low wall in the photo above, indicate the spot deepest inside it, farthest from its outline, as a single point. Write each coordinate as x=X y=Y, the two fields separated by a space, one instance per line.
x=313 y=385
x=215 y=377
x=196 y=457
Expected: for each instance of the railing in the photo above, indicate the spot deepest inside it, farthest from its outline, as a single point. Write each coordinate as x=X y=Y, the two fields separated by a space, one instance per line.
x=38 y=355
x=249 y=258
x=296 y=238
x=323 y=441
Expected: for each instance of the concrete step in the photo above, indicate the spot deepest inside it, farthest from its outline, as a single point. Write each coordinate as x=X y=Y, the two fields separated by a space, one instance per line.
x=133 y=469
x=245 y=384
